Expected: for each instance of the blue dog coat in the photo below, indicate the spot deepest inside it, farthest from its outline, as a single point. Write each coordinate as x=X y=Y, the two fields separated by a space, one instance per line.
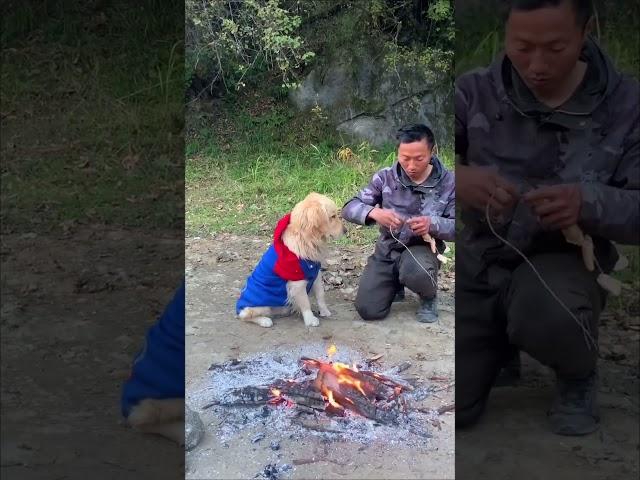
x=158 y=370
x=267 y=285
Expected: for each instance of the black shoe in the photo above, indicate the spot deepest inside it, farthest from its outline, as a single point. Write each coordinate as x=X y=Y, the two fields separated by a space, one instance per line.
x=428 y=310
x=399 y=295
x=575 y=410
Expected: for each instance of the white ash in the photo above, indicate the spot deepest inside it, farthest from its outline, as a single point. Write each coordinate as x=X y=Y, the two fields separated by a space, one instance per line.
x=265 y=368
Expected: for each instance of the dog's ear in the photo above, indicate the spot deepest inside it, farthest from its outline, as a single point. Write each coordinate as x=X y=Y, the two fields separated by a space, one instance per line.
x=312 y=216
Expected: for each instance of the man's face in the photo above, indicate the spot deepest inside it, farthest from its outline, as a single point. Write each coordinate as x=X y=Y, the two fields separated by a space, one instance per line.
x=544 y=45
x=414 y=158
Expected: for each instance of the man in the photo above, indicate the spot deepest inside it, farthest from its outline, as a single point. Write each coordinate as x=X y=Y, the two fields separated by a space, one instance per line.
x=413 y=198
x=546 y=138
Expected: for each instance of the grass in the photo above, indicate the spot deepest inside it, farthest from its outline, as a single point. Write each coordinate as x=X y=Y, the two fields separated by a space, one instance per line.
x=92 y=113
x=628 y=303
x=247 y=169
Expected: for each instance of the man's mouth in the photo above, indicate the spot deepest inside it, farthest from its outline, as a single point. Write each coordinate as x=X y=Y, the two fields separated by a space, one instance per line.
x=539 y=80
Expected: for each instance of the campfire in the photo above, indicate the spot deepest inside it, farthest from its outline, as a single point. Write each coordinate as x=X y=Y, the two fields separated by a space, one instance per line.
x=336 y=388
x=317 y=390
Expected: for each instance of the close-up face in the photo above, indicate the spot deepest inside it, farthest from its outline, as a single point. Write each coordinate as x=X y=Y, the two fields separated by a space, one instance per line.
x=415 y=158
x=544 y=45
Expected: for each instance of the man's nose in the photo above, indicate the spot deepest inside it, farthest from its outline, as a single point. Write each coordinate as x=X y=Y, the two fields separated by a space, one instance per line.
x=538 y=65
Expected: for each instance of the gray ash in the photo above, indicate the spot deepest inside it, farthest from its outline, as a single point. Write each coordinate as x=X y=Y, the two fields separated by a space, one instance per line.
x=280 y=421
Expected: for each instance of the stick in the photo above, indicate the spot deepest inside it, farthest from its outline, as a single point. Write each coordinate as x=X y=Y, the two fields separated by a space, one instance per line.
x=440 y=410
x=387 y=380
x=314 y=425
x=446 y=408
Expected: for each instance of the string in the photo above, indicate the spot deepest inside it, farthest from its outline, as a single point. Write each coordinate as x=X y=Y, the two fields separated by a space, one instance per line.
x=414 y=257
x=586 y=334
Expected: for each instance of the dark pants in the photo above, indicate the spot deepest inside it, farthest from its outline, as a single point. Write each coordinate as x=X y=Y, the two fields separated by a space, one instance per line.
x=521 y=313
x=383 y=276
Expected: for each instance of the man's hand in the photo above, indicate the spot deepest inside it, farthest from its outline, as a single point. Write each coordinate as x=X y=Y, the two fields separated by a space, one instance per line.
x=476 y=185
x=419 y=225
x=557 y=206
x=386 y=217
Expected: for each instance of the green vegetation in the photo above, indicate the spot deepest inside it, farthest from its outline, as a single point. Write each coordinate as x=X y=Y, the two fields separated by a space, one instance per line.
x=242 y=178
x=90 y=91
x=251 y=159
x=231 y=44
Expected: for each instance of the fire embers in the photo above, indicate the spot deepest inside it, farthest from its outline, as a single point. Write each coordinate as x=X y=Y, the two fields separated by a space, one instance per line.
x=341 y=388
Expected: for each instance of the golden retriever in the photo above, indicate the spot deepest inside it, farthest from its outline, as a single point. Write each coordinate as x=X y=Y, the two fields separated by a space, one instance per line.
x=163 y=417
x=290 y=269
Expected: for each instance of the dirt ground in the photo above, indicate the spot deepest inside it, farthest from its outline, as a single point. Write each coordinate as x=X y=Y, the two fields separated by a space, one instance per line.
x=216 y=270
x=72 y=320
x=513 y=440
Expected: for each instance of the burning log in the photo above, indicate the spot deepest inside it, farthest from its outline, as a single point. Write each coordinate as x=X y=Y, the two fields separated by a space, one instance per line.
x=336 y=389
x=388 y=381
x=246 y=396
x=345 y=388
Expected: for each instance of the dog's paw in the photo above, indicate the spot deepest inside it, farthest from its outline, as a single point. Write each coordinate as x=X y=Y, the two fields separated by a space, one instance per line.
x=312 y=321
x=325 y=312
x=265 y=322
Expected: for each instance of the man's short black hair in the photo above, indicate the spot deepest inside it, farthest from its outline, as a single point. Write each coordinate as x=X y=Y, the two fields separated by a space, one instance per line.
x=581 y=7
x=416 y=132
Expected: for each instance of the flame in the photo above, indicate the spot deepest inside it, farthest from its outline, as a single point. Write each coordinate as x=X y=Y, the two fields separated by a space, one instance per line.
x=350 y=381
x=331 y=401
x=275 y=392
x=331 y=351
x=355 y=368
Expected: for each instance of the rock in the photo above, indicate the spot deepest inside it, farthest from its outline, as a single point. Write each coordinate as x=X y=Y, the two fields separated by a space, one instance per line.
x=376 y=131
x=275 y=446
x=193 y=429
x=258 y=437
x=614 y=353
x=348 y=293
x=227 y=257
x=365 y=99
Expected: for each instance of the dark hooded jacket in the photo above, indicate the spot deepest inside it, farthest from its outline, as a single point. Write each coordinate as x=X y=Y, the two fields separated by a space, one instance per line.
x=391 y=188
x=593 y=139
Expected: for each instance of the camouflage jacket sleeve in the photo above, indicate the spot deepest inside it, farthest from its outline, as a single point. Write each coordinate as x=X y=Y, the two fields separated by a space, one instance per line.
x=444 y=226
x=357 y=209
x=613 y=211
